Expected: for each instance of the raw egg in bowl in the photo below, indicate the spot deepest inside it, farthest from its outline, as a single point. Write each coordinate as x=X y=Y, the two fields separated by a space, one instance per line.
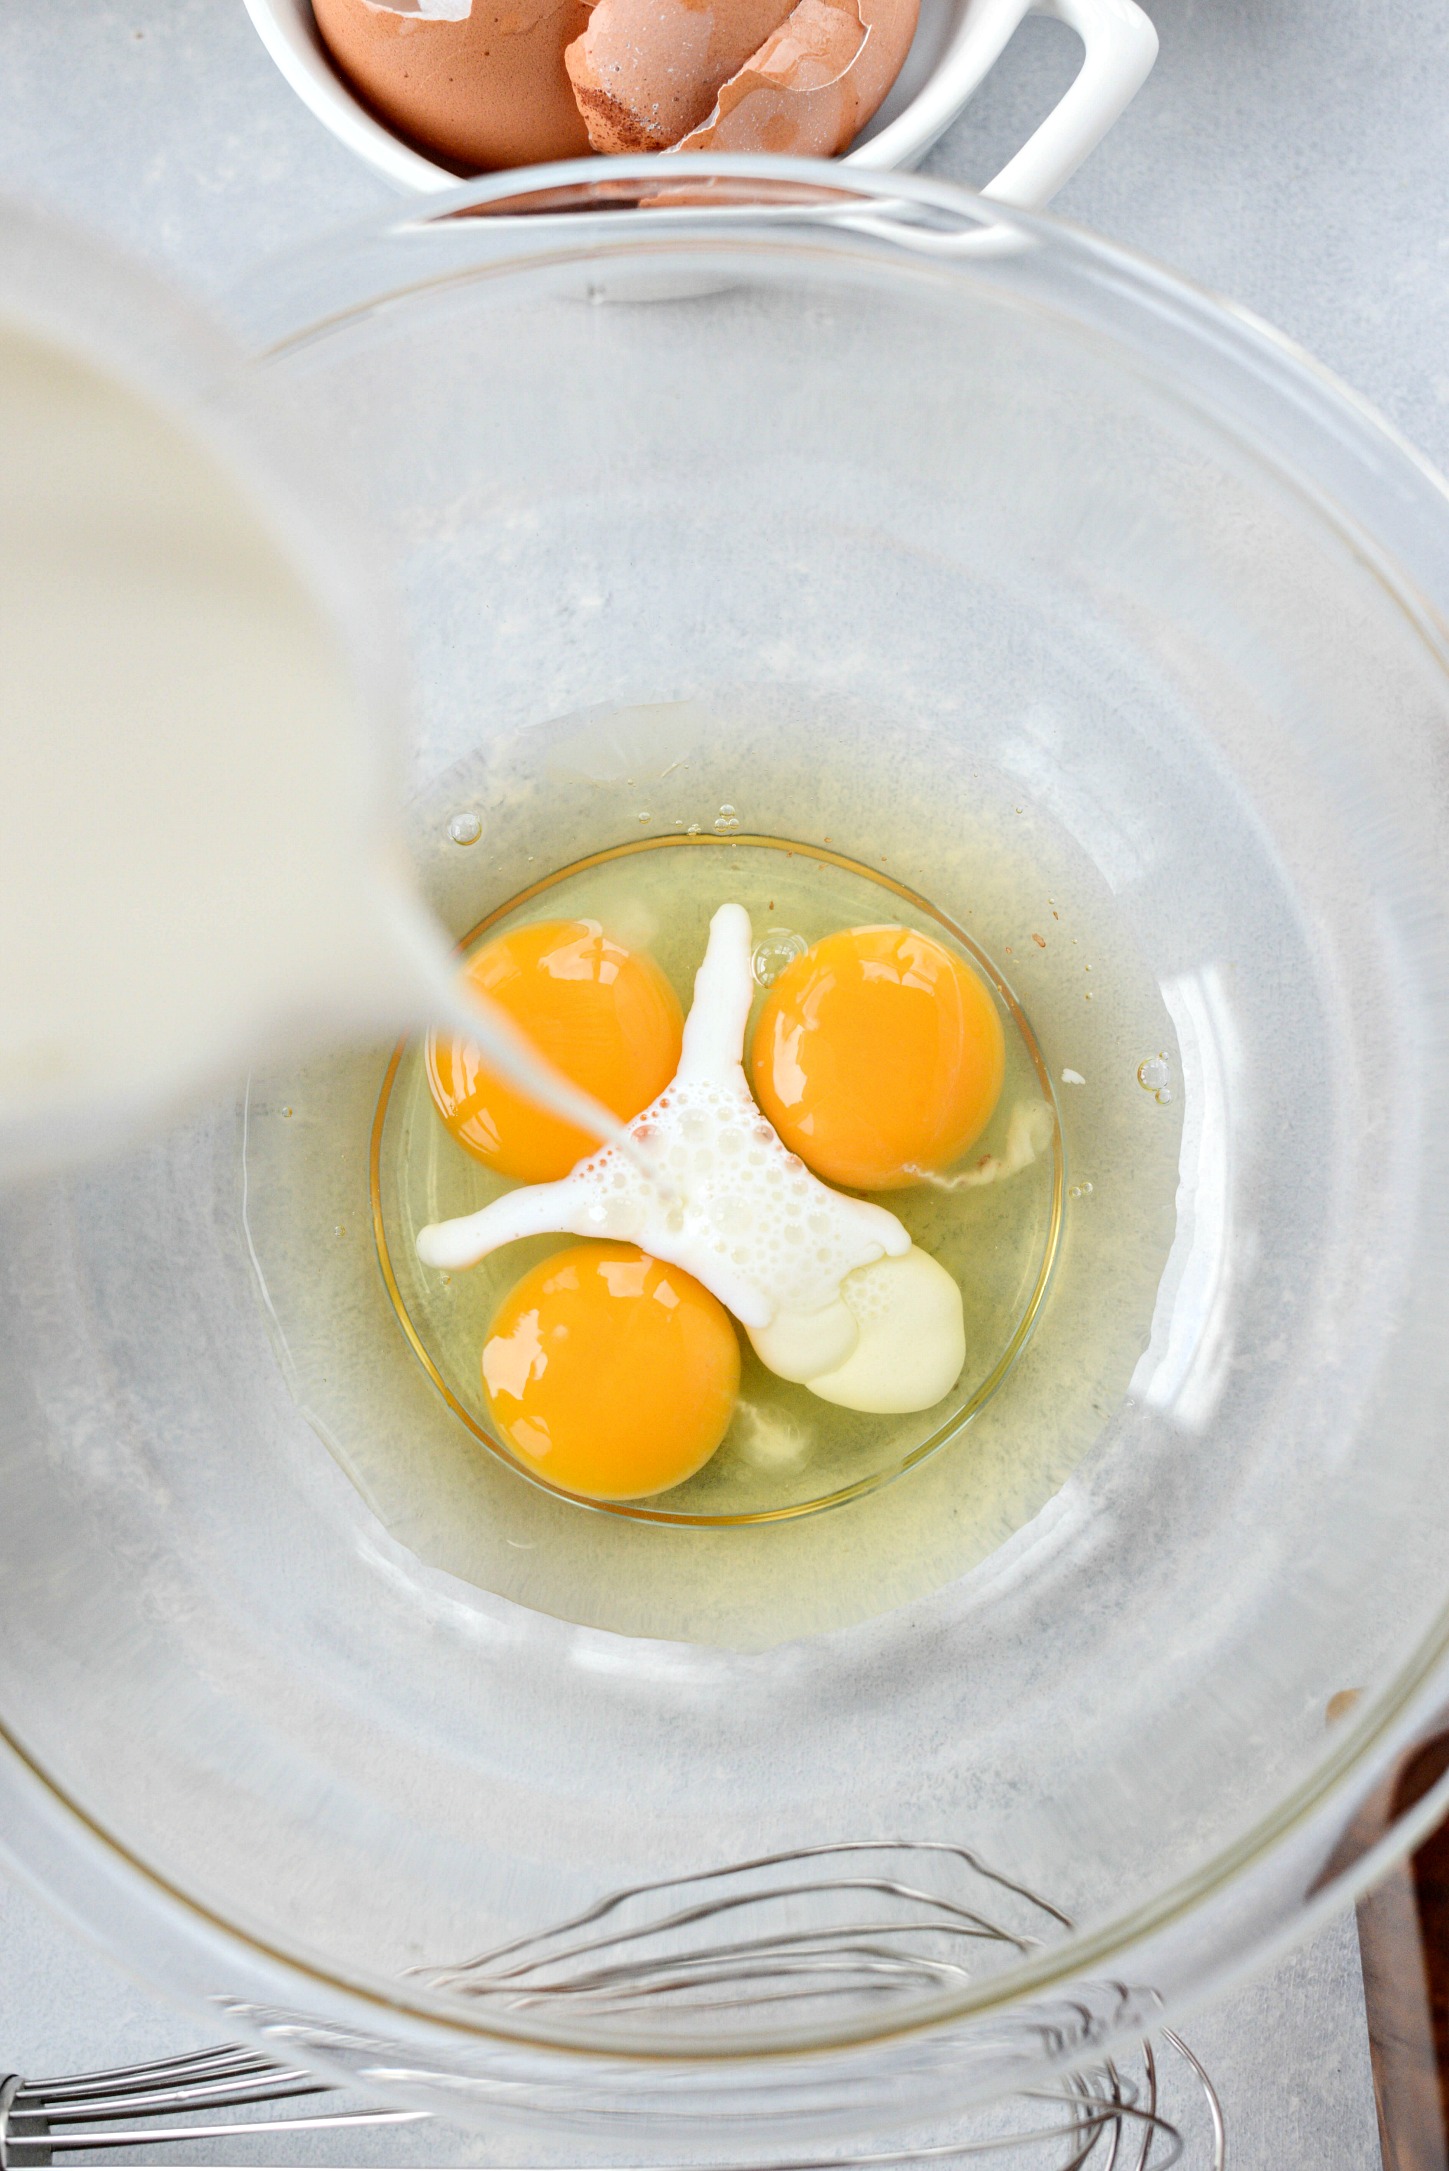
x=899 y=1297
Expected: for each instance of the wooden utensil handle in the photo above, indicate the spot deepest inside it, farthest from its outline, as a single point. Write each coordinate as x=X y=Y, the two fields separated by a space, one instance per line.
x=1403 y=1934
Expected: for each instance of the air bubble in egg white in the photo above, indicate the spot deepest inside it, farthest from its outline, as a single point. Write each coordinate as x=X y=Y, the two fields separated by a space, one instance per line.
x=465 y=829
x=773 y=952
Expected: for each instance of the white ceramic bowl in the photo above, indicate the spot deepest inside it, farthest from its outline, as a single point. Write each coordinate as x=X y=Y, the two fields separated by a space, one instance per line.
x=956 y=45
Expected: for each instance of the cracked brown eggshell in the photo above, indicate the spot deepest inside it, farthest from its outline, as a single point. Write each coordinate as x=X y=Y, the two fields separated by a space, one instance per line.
x=488 y=90
x=645 y=72
x=814 y=83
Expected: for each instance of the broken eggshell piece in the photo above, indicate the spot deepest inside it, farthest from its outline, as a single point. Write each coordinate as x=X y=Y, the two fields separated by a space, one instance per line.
x=480 y=85
x=645 y=72
x=814 y=83
x=652 y=75
x=830 y=1288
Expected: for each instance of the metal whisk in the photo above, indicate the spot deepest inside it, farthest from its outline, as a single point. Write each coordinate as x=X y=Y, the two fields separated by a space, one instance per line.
x=826 y=1930
x=171 y=2099
x=837 y=1925
x=830 y=1930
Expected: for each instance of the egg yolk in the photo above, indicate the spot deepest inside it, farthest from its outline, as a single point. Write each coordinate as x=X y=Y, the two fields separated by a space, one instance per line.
x=603 y=1015
x=878 y=1055
x=610 y=1373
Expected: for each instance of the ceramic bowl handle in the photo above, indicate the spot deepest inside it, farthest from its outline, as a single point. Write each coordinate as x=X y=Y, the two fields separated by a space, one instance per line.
x=1120 y=46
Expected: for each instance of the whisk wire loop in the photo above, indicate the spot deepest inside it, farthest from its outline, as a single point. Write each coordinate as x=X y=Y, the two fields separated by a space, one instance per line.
x=815 y=1928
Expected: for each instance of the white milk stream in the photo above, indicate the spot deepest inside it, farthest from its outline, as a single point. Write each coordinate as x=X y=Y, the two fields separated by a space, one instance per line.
x=197 y=861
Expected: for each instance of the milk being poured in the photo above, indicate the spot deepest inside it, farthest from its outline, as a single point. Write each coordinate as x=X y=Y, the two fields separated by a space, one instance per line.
x=196 y=852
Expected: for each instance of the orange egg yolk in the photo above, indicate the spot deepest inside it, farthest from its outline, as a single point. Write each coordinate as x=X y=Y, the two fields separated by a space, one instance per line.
x=603 y=1015
x=611 y=1374
x=878 y=1055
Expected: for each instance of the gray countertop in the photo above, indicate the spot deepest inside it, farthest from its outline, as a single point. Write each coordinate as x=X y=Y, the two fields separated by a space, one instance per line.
x=1293 y=154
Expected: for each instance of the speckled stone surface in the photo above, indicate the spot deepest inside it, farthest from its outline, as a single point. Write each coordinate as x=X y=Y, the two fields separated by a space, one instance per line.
x=1290 y=153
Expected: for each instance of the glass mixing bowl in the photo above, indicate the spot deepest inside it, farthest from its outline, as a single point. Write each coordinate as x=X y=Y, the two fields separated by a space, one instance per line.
x=896 y=517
